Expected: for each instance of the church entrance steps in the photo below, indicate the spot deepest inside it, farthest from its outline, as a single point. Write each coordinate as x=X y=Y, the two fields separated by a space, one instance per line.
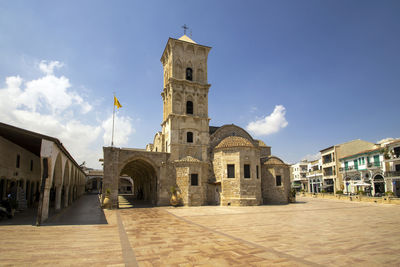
x=130 y=201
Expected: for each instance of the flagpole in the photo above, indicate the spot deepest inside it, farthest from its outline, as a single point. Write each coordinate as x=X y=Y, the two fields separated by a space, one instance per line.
x=112 y=138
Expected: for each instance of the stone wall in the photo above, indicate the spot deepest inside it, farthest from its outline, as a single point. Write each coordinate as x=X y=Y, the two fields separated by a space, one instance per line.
x=271 y=193
x=182 y=182
x=151 y=164
x=8 y=161
x=192 y=195
x=238 y=191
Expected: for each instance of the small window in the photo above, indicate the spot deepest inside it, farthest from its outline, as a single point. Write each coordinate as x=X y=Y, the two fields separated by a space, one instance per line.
x=231 y=170
x=31 y=164
x=189 y=137
x=166 y=146
x=257 y=172
x=246 y=171
x=189 y=107
x=278 y=180
x=194 y=179
x=18 y=160
x=397 y=167
x=189 y=74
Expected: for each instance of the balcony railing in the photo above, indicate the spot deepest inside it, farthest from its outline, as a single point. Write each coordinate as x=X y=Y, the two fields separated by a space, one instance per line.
x=374 y=164
x=316 y=172
x=392 y=157
x=392 y=174
x=347 y=169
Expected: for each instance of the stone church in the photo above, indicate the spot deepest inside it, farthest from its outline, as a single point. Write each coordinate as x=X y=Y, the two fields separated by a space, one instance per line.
x=207 y=165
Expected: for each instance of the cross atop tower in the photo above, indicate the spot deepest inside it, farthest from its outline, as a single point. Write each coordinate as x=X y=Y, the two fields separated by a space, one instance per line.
x=185 y=28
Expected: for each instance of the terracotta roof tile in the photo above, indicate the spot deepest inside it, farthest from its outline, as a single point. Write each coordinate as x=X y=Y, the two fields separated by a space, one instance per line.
x=234 y=141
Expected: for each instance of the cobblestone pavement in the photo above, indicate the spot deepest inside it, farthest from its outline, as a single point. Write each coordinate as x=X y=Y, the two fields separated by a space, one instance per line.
x=312 y=232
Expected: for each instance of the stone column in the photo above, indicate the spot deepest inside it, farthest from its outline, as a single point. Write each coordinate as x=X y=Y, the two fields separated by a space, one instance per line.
x=46 y=200
x=111 y=175
x=66 y=194
x=58 y=196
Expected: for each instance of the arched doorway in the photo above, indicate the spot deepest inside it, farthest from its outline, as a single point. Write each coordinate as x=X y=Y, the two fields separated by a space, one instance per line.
x=125 y=185
x=144 y=178
x=379 y=185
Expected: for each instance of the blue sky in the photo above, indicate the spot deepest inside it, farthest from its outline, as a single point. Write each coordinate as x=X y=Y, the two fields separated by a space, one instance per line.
x=334 y=67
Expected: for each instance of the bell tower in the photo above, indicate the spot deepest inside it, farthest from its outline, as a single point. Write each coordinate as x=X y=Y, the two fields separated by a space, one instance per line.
x=185 y=124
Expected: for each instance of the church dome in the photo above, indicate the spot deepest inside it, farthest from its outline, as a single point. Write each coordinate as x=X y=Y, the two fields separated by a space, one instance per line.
x=272 y=160
x=234 y=141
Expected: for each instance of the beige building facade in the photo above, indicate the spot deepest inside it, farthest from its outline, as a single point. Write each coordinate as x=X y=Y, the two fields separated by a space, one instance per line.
x=332 y=177
x=207 y=165
x=37 y=171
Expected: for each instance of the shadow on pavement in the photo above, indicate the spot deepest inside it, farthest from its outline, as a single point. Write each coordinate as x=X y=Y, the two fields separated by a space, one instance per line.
x=24 y=217
x=86 y=210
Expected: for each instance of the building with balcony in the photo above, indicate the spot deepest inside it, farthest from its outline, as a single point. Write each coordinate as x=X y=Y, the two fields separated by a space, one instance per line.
x=392 y=165
x=299 y=175
x=332 y=179
x=314 y=176
x=364 y=171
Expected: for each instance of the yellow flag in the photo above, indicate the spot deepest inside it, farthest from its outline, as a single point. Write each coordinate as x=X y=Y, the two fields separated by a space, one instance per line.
x=116 y=103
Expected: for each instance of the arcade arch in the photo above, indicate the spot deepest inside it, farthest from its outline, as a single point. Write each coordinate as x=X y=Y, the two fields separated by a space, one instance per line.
x=144 y=176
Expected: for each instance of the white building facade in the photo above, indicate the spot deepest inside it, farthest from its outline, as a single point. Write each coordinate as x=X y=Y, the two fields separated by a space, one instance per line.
x=299 y=174
x=314 y=176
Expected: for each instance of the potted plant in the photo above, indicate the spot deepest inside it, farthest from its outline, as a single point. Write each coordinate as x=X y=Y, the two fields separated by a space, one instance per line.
x=175 y=196
x=107 y=200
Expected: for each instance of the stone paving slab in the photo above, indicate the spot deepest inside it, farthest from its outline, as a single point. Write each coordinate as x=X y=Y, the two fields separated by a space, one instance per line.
x=314 y=232
x=72 y=245
x=324 y=232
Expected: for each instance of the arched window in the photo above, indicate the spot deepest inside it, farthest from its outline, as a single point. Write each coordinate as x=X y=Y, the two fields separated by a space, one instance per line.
x=189 y=74
x=189 y=107
x=189 y=137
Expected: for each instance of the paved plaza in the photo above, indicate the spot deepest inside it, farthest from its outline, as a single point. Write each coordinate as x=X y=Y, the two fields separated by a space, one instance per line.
x=312 y=232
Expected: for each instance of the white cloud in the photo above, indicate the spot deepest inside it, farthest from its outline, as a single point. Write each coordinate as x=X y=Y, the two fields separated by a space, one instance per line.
x=48 y=67
x=272 y=123
x=312 y=157
x=47 y=105
x=253 y=109
x=122 y=129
